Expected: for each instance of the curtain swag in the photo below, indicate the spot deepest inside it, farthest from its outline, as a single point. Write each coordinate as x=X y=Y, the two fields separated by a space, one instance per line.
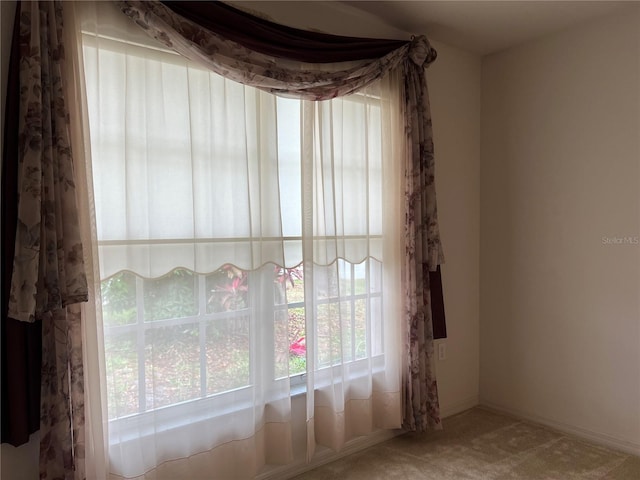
x=423 y=251
x=236 y=62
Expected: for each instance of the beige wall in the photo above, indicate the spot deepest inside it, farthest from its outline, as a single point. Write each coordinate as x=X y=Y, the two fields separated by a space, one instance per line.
x=328 y=17
x=20 y=463
x=454 y=88
x=560 y=328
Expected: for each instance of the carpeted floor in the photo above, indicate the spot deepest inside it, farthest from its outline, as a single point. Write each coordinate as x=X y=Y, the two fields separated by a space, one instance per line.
x=481 y=444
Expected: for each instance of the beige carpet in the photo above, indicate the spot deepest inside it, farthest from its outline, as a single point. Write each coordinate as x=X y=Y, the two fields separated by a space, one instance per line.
x=482 y=444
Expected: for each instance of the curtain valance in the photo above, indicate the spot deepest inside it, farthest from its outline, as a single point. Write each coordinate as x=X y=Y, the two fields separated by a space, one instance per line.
x=273 y=74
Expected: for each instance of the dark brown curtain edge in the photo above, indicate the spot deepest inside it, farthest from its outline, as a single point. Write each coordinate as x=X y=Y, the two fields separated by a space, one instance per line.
x=437 y=305
x=279 y=40
x=21 y=342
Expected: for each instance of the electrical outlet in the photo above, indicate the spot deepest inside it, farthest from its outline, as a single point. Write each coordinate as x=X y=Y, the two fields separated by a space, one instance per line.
x=442 y=351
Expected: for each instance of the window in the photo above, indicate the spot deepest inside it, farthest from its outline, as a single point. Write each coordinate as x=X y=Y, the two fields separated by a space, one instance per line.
x=250 y=249
x=188 y=336
x=209 y=288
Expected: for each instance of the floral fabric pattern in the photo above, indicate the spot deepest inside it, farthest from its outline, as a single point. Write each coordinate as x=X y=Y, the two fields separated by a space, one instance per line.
x=49 y=278
x=48 y=269
x=423 y=254
x=234 y=61
x=423 y=248
x=62 y=396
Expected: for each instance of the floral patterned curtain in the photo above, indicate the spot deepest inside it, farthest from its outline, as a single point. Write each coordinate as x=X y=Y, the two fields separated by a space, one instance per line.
x=423 y=248
x=48 y=279
x=423 y=254
x=48 y=268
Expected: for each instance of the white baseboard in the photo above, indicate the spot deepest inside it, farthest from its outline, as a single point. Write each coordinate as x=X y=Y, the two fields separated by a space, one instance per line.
x=595 y=437
x=458 y=407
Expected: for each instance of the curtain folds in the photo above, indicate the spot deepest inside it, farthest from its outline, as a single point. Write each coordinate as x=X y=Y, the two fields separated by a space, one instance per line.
x=48 y=279
x=48 y=266
x=210 y=384
x=238 y=63
x=423 y=247
x=351 y=389
x=62 y=415
x=423 y=255
x=366 y=277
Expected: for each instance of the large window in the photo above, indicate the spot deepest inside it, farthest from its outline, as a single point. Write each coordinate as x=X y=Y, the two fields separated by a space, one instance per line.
x=203 y=195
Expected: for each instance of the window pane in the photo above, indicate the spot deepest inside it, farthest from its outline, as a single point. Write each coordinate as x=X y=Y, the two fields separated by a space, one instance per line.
x=327 y=283
x=360 y=326
x=289 y=288
x=119 y=299
x=329 y=334
x=122 y=374
x=376 y=326
x=360 y=273
x=172 y=296
x=347 y=331
x=227 y=290
x=289 y=165
x=346 y=280
x=282 y=346
x=228 y=354
x=297 y=341
x=289 y=285
x=375 y=276
x=172 y=365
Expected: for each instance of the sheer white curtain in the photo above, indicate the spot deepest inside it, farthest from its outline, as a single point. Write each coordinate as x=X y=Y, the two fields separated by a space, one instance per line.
x=249 y=249
x=90 y=436
x=352 y=188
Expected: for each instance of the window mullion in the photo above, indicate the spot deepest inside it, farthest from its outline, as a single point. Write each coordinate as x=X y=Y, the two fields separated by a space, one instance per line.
x=369 y=306
x=140 y=344
x=202 y=336
x=257 y=329
x=352 y=306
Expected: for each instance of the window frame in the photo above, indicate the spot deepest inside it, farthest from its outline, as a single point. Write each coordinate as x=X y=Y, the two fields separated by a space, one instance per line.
x=219 y=404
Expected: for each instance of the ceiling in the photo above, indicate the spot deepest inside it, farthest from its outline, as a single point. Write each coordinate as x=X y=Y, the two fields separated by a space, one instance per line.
x=486 y=26
x=480 y=26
